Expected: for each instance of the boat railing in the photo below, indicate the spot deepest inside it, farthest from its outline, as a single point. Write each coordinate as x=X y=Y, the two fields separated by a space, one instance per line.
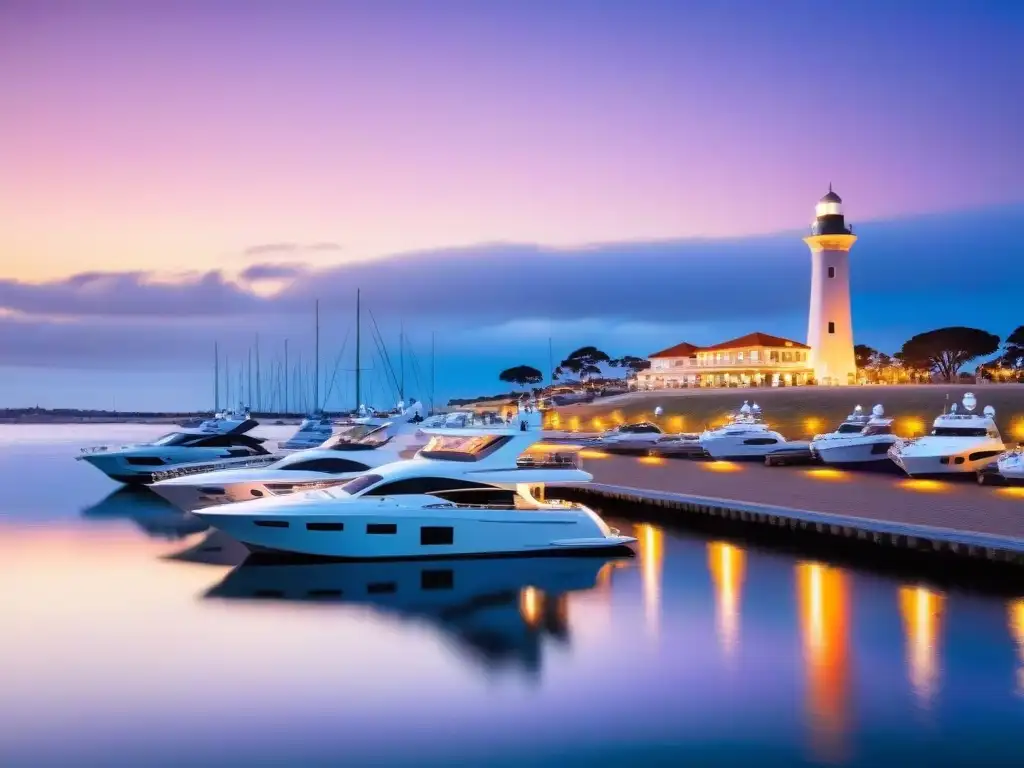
x=548 y=461
x=249 y=462
x=553 y=503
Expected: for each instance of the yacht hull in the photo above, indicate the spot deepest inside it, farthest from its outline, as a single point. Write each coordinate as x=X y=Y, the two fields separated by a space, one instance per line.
x=211 y=492
x=853 y=453
x=928 y=466
x=383 y=529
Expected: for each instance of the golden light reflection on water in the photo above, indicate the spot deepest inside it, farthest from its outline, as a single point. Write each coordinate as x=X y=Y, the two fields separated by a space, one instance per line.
x=921 y=611
x=824 y=599
x=650 y=548
x=721 y=466
x=727 y=564
x=1015 y=611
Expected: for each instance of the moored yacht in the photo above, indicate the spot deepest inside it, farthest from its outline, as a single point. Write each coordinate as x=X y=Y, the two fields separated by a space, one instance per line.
x=467 y=492
x=861 y=439
x=138 y=462
x=958 y=443
x=341 y=458
x=743 y=436
x=1008 y=469
x=314 y=430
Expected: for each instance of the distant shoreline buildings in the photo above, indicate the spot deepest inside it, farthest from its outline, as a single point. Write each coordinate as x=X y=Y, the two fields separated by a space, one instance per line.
x=761 y=359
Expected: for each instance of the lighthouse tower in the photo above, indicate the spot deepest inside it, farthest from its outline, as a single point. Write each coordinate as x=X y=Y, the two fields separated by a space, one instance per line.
x=830 y=328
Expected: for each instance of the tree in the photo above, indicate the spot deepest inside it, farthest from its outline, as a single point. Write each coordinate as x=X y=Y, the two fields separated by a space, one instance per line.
x=864 y=356
x=1013 y=356
x=521 y=375
x=633 y=363
x=946 y=350
x=584 y=362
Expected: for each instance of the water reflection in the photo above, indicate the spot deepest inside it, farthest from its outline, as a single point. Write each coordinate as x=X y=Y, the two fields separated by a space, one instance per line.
x=726 y=563
x=921 y=611
x=824 y=616
x=651 y=549
x=153 y=514
x=215 y=548
x=497 y=611
x=1015 y=609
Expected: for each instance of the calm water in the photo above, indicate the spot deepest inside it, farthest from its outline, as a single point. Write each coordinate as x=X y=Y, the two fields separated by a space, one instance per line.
x=131 y=636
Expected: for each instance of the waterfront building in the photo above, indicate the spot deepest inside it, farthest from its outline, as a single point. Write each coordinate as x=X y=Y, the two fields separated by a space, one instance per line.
x=760 y=359
x=757 y=359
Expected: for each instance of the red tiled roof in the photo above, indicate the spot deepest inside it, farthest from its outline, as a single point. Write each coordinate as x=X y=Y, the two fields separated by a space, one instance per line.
x=684 y=349
x=756 y=339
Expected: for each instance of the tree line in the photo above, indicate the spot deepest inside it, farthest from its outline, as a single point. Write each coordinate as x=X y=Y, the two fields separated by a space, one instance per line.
x=944 y=352
x=584 y=363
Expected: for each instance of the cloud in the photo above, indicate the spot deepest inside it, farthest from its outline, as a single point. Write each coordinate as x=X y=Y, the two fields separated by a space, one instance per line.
x=272 y=271
x=269 y=248
x=907 y=276
x=282 y=249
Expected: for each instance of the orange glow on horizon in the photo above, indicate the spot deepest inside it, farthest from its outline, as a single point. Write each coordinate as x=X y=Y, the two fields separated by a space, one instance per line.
x=727 y=564
x=921 y=610
x=824 y=617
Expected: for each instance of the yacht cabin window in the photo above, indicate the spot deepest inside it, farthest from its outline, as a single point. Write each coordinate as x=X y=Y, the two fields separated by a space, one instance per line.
x=960 y=432
x=849 y=429
x=462 y=448
x=354 y=486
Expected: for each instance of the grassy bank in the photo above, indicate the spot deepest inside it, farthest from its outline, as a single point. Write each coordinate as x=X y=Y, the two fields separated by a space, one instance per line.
x=797 y=412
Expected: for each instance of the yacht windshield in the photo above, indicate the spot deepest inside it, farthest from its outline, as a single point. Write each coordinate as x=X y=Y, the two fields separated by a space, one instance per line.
x=173 y=438
x=849 y=429
x=461 y=447
x=960 y=432
x=878 y=429
x=354 y=486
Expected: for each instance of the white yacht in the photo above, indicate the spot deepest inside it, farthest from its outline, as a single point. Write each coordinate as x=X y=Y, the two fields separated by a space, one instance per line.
x=744 y=436
x=467 y=492
x=341 y=458
x=226 y=421
x=958 y=443
x=1008 y=469
x=639 y=433
x=314 y=430
x=861 y=439
x=138 y=462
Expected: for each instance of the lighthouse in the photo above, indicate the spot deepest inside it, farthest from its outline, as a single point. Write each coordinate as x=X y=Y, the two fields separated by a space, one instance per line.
x=829 y=327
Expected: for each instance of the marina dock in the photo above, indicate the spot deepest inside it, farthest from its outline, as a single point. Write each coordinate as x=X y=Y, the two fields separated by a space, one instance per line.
x=950 y=518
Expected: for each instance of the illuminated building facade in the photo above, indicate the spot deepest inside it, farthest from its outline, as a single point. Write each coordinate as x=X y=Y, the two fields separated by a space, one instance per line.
x=757 y=359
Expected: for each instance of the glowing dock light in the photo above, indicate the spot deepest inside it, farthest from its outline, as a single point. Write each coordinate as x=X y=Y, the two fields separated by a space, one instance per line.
x=653 y=461
x=923 y=486
x=722 y=466
x=812 y=425
x=828 y=473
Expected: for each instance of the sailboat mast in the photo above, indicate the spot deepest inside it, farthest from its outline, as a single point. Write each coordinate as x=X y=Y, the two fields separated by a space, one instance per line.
x=551 y=364
x=316 y=361
x=216 y=378
x=287 y=373
x=432 y=334
x=401 y=361
x=248 y=391
x=259 y=393
x=358 y=339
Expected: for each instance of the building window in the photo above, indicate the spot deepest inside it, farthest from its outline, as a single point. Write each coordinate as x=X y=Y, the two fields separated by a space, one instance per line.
x=754 y=355
x=831 y=271
x=774 y=355
x=831 y=327
x=739 y=357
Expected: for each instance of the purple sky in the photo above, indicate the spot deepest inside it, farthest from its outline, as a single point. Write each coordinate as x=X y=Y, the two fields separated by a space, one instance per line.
x=155 y=138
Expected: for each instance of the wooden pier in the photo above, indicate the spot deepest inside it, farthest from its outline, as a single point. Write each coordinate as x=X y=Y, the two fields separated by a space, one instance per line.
x=940 y=520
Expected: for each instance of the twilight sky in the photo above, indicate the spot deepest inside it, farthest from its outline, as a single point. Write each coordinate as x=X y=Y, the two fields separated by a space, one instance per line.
x=496 y=173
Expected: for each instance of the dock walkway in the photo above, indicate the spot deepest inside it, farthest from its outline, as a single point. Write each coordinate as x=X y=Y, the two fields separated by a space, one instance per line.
x=950 y=516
